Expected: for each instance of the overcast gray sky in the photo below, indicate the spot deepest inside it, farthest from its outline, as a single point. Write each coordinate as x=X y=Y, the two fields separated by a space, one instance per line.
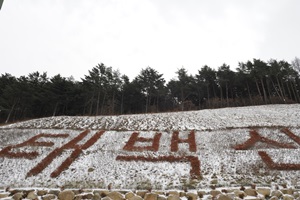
x=70 y=37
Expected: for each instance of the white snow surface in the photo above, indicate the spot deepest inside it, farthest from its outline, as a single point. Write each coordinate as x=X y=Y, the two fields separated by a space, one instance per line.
x=216 y=131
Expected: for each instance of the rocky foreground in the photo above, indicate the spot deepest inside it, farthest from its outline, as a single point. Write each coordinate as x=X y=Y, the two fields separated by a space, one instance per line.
x=251 y=192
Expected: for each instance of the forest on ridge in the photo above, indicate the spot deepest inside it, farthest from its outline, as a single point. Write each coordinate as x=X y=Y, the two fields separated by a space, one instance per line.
x=105 y=91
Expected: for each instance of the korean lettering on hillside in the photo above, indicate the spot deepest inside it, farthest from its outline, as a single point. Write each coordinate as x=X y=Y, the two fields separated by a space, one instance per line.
x=153 y=145
x=255 y=137
x=72 y=144
x=139 y=144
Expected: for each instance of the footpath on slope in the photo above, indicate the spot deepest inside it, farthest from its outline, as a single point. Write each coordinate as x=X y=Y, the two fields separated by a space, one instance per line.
x=256 y=147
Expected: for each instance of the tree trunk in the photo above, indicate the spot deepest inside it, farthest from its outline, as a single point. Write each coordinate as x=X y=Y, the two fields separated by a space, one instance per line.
x=207 y=87
x=269 y=91
x=98 y=102
x=91 y=107
x=264 y=91
x=55 y=109
x=294 y=88
x=10 y=112
x=258 y=89
x=182 y=100
x=122 y=102
x=249 y=93
x=280 y=89
x=221 y=95
x=113 y=103
x=227 y=99
x=102 y=107
x=289 y=90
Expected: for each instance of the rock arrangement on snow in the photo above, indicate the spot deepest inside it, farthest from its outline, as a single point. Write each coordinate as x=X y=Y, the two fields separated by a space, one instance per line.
x=252 y=192
x=221 y=148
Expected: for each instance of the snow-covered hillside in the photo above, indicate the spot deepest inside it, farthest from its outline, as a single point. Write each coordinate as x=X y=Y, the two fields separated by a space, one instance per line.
x=223 y=147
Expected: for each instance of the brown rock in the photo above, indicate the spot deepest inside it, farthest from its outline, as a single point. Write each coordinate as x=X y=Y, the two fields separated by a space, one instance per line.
x=12 y=192
x=287 y=197
x=78 y=197
x=41 y=192
x=106 y=198
x=141 y=193
x=102 y=193
x=191 y=196
x=116 y=195
x=274 y=198
x=276 y=193
x=18 y=196
x=55 y=192
x=151 y=196
x=161 y=197
x=250 y=192
x=264 y=191
x=223 y=197
x=96 y=196
x=88 y=195
x=215 y=193
x=173 y=193
x=66 y=195
x=49 y=197
x=136 y=198
x=201 y=194
x=239 y=193
x=289 y=191
x=32 y=195
x=159 y=192
x=182 y=194
x=3 y=195
x=173 y=197
x=129 y=195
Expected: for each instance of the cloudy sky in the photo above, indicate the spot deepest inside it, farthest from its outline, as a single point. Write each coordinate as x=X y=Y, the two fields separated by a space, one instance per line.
x=70 y=37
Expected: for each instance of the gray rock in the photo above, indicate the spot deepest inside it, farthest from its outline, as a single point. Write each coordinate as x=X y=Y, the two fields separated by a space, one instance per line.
x=66 y=195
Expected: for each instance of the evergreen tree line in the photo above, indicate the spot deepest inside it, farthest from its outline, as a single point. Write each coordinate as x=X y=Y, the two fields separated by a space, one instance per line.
x=105 y=91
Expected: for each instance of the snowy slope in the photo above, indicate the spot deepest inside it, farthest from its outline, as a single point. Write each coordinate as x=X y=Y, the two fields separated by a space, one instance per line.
x=216 y=135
